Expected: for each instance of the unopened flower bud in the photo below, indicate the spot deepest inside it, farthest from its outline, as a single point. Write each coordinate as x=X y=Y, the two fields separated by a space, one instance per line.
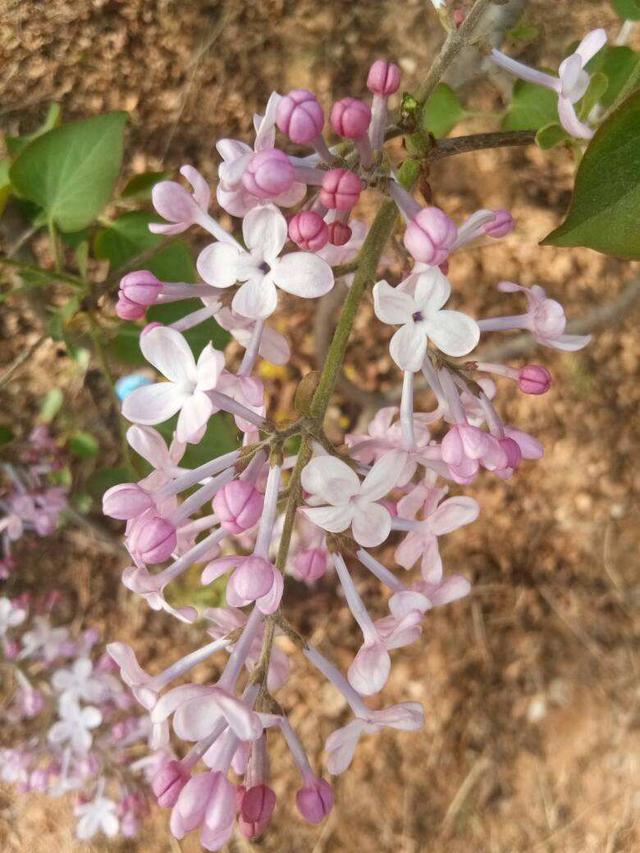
x=238 y=505
x=156 y=539
x=309 y=231
x=125 y=501
x=502 y=225
x=340 y=189
x=140 y=287
x=269 y=173
x=384 y=78
x=512 y=451
x=300 y=116
x=256 y=807
x=339 y=233
x=310 y=565
x=430 y=236
x=315 y=801
x=534 y=379
x=168 y=782
x=350 y=118
x=128 y=310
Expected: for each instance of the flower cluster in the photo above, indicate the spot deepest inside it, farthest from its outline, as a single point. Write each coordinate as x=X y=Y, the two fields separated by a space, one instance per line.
x=29 y=502
x=84 y=731
x=262 y=512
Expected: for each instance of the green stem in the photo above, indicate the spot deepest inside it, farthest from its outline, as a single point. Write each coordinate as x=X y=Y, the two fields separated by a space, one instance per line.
x=369 y=258
x=49 y=275
x=55 y=246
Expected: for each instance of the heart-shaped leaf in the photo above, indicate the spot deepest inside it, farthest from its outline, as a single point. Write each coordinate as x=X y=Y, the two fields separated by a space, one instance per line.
x=605 y=210
x=442 y=111
x=70 y=171
x=531 y=107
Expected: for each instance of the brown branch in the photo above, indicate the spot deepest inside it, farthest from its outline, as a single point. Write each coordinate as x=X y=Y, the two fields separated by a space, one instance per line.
x=479 y=141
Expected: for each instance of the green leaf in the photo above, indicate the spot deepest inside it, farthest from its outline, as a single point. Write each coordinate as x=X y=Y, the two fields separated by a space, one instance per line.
x=523 y=32
x=629 y=10
x=126 y=237
x=83 y=444
x=140 y=186
x=442 y=111
x=617 y=63
x=598 y=85
x=551 y=135
x=6 y=435
x=15 y=144
x=531 y=107
x=5 y=184
x=70 y=171
x=221 y=437
x=51 y=405
x=105 y=478
x=605 y=210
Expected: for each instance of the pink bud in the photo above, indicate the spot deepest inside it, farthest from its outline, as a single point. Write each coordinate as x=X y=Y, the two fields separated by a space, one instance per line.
x=168 y=782
x=256 y=807
x=310 y=565
x=340 y=189
x=350 y=118
x=155 y=540
x=534 y=379
x=300 y=116
x=339 y=233
x=430 y=235
x=140 y=287
x=268 y=174
x=127 y=310
x=315 y=801
x=512 y=451
x=309 y=231
x=238 y=505
x=502 y=225
x=125 y=501
x=384 y=78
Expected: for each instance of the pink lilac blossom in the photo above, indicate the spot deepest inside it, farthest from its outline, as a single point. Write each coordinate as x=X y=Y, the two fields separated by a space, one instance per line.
x=232 y=517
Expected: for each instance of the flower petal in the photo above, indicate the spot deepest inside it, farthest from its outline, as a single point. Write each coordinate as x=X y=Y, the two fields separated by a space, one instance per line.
x=371 y=525
x=217 y=264
x=196 y=411
x=265 y=232
x=335 y=519
x=432 y=291
x=591 y=44
x=303 y=274
x=391 y=305
x=330 y=479
x=408 y=346
x=167 y=350
x=570 y=121
x=209 y=367
x=532 y=75
x=383 y=476
x=256 y=298
x=453 y=332
x=370 y=669
x=153 y=404
x=340 y=746
x=452 y=514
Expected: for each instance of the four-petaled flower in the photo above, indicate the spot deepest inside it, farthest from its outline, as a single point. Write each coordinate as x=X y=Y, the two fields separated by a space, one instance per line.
x=75 y=724
x=338 y=500
x=416 y=306
x=185 y=392
x=261 y=269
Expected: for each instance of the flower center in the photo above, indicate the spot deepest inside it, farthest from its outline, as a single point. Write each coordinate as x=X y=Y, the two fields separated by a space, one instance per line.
x=417 y=317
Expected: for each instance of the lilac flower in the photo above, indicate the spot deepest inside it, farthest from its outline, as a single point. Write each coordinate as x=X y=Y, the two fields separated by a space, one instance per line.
x=75 y=724
x=571 y=83
x=261 y=269
x=422 y=317
x=79 y=682
x=98 y=815
x=347 y=502
x=208 y=800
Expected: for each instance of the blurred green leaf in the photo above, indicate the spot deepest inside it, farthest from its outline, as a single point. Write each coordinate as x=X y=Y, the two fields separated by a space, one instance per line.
x=523 y=32
x=531 y=107
x=5 y=184
x=15 y=144
x=598 y=85
x=70 y=171
x=51 y=405
x=105 y=478
x=629 y=10
x=442 y=111
x=83 y=444
x=551 y=135
x=140 y=186
x=126 y=237
x=605 y=209
x=617 y=63
x=6 y=435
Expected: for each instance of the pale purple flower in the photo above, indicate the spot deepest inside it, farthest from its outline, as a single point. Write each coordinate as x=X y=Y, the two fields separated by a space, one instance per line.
x=341 y=744
x=10 y=616
x=197 y=709
x=79 y=682
x=186 y=390
x=571 y=83
x=208 y=801
x=422 y=318
x=260 y=269
x=75 y=724
x=338 y=499
x=178 y=206
x=98 y=815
